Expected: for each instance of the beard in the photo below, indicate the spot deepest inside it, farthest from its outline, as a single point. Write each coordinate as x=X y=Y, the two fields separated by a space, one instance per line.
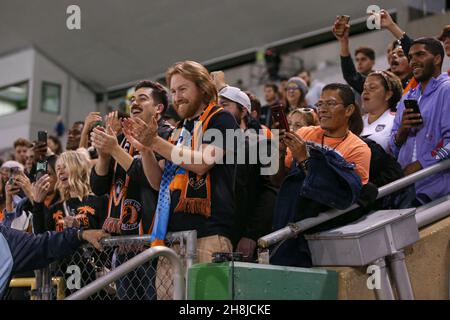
x=187 y=109
x=427 y=72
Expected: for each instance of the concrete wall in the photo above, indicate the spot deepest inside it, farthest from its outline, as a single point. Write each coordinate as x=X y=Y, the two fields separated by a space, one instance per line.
x=14 y=69
x=76 y=100
x=428 y=262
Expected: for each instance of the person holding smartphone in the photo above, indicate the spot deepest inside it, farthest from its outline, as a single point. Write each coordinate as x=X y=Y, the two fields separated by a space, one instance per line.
x=421 y=132
x=365 y=56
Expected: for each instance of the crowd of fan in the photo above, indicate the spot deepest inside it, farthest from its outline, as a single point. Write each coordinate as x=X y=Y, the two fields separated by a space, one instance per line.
x=119 y=174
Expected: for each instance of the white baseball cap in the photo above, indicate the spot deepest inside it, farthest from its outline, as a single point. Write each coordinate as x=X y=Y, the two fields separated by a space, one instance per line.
x=12 y=164
x=236 y=95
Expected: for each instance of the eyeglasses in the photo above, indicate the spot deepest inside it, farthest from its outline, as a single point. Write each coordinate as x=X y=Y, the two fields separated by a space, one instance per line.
x=292 y=89
x=322 y=105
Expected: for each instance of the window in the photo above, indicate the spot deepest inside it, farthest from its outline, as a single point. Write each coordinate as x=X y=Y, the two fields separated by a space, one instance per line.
x=51 y=98
x=13 y=98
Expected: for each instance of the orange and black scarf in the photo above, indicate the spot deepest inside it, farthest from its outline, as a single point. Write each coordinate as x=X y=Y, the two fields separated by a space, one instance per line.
x=195 y=197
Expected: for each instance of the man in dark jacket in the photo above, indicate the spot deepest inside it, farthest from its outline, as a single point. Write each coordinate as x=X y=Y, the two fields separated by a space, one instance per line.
x=20 y=251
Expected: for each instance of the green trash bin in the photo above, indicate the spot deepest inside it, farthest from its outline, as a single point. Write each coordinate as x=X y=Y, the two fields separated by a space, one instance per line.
x=248 y=281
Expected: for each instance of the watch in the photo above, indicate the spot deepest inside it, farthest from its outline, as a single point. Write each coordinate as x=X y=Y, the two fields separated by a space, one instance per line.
x=304 y=165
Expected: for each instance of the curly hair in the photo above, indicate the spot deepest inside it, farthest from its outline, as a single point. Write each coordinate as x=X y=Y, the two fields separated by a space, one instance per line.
x=78 y=167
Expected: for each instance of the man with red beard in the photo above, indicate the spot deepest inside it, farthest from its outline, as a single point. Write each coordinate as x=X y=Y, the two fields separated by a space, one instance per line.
x=119 y=171
x=197 y=184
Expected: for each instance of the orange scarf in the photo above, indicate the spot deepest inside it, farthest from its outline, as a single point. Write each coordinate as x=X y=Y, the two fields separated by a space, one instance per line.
x=195 y=195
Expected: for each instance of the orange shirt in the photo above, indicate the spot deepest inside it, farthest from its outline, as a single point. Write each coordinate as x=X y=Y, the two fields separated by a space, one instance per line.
x=352 y=149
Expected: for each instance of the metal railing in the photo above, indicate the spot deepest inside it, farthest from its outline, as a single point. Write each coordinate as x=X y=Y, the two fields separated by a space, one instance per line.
x=132 y=264
x=152 y=279
x=292 y=230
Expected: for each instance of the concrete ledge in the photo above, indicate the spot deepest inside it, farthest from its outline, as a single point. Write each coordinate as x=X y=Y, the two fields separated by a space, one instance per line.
x=428 y=262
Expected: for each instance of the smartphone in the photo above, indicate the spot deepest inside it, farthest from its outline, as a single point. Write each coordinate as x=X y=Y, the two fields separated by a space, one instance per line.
x=412 y=104
x=41 y=169
x=14 y=171
x=280 y=117
x=42 y=137
x=340 y=26
x=98 y=124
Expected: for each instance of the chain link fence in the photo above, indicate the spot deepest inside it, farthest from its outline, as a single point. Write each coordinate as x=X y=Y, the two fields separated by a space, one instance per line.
x=152 y=280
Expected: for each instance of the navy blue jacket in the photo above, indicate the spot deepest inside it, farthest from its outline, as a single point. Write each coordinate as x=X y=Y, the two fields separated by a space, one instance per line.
x=330 y=182
x=20 y=251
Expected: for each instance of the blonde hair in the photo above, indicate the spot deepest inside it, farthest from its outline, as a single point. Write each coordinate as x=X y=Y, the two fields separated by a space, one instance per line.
x=78 y=167
x=198 y=74
x=309 y=116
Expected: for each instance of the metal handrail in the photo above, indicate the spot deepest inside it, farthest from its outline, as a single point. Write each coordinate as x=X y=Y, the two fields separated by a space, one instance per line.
x=130 y=265
x=294 y=229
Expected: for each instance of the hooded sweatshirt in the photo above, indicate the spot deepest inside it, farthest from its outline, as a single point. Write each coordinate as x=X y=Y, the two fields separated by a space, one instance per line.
x=424 y=143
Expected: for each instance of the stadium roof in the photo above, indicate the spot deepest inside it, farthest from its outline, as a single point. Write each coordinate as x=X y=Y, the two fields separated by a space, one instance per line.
x=122 y=41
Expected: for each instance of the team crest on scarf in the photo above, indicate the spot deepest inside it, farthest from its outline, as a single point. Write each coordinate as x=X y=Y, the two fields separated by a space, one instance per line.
x=130 y=214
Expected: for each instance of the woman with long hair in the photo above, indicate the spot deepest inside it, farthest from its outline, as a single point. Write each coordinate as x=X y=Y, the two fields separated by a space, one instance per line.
x=78 y=206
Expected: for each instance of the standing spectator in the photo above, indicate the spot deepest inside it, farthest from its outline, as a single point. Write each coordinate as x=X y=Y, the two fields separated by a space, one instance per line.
x=254 y=194
x=45 y=196
x=271 y=97
x=78 y=207
x=21 y=252
x=15 y=215
x=339 y=130
x=282 y=90
x=60 y=128
x=55 y=145
x=121 y=173
x=208 y=205
x=400 y=66
x=91 y=120
x=340 y=122
x=21 y=147
x=296 y=91
x=365 y=60
x=29 y=162
x=398 y=58
x=315 y=87
x=418 y=139
x=74 y=136
x=382 y=92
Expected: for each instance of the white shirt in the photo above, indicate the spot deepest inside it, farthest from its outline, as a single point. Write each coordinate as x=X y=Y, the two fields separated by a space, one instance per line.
x=379 y=130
